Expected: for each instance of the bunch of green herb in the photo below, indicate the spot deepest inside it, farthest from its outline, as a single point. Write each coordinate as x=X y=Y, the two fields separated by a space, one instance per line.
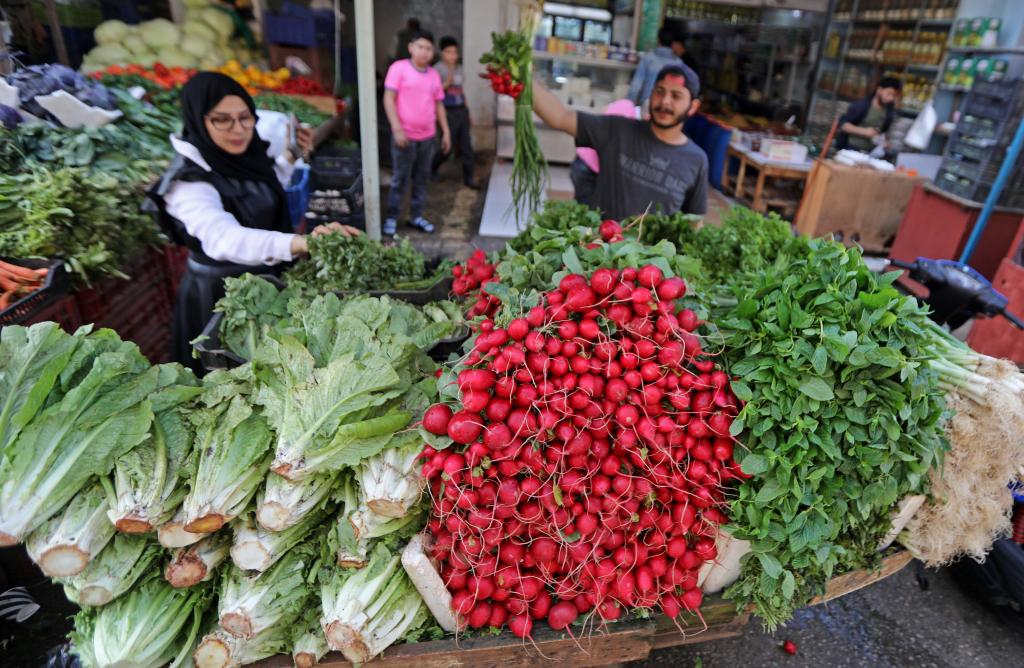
x=843 y=413
x=359 y=264
x=91 y=220
x=558 y=216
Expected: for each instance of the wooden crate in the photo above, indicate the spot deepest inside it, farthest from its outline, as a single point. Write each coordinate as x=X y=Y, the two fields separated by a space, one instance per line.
x=857 y=204
x=626 y=641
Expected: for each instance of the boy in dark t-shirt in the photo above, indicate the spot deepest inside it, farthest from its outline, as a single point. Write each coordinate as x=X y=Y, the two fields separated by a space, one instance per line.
x=452 y=79
x=645 y=164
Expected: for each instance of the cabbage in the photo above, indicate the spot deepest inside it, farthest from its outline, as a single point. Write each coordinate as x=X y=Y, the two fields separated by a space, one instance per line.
x=196 y=4
x=195 y=46
x=135 y=44
x=201 y=30
x=145 y=59
x=159 y=33
x=109 y=54
x=111 y=32
x=175 y=57
x=219 y=21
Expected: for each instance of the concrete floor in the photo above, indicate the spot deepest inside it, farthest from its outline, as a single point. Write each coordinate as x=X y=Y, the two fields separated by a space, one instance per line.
x=891 y=624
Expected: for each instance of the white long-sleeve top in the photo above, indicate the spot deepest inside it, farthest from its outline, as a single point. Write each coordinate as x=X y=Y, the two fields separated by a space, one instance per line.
x=199 y=207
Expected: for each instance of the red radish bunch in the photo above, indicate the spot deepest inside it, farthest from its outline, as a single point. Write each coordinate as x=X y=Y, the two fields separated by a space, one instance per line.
x=591 y=458
x=502 y=82
x=470 y=281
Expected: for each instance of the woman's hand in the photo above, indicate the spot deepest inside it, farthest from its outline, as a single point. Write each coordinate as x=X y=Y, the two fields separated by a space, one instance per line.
x=336 y=228
x=304 y=143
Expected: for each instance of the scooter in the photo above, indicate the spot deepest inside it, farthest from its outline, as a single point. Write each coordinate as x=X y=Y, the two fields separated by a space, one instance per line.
x=957 y=293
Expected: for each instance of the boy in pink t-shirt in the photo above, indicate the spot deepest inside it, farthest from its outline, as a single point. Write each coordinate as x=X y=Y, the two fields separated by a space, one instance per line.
x=412 y=101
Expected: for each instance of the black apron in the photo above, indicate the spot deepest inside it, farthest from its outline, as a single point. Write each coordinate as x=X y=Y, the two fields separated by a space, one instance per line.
x=255 y=204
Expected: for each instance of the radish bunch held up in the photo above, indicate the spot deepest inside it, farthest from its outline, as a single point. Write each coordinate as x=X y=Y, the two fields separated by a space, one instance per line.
x=592 y=453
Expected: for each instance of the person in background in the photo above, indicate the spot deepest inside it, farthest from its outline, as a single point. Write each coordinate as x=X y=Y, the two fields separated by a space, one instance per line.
x=452 y=78
x=646 y=164
x=679 y=48
x=651 y=64
x=865 y=123
x=584 y=169
x=413 y=97
x=223 y=198
x=402 y=38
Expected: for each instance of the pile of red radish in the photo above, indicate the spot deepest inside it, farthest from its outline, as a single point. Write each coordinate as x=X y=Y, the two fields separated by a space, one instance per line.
x=470 y=282
x=591 y=461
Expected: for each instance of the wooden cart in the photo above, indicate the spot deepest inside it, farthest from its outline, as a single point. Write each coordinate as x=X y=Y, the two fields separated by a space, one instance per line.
x=628 y=641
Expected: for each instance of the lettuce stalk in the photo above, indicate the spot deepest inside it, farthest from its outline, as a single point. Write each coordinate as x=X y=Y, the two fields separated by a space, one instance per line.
x=249 y=605
x=233 y=444
x=104 y=413
x=197 y=563
x=65 y=544
x=113 y=572
x=366 y=610
x=172 y=534
x=282 y=503
x=356 y=525
x=220 y=649
x=151 y=626
x=390 y=482
x=256 y=549
x=308 y=642
x=148 y=479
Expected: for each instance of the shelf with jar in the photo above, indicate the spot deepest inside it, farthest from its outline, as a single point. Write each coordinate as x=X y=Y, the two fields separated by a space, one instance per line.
x=695 y=10
x=896 y=11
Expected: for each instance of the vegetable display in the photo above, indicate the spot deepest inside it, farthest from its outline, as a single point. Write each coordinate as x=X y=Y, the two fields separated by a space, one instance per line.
x=641 y=404
x=204 y=41
x=509 y=67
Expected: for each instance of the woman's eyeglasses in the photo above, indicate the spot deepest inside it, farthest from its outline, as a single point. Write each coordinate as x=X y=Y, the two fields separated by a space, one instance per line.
x=227 y=123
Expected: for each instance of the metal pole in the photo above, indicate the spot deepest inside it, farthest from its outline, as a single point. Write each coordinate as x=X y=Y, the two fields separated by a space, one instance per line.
x=367 y=89
x=55 y=32
x=993 y=196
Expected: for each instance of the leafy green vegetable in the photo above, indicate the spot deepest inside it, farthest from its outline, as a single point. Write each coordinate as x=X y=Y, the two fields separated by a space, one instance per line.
x=233 y=444
x=116 y=570
x=149 y=480
x=152 y=625
x=101 y=411
x=337 y=262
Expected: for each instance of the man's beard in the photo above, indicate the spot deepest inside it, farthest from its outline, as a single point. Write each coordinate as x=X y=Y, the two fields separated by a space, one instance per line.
x=679 y=120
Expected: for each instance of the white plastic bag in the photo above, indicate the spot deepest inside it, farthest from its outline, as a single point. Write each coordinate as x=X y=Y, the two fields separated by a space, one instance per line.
x=920 y=133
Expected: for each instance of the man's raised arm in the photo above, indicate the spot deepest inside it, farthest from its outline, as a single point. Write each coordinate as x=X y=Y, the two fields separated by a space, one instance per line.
x=552 y=111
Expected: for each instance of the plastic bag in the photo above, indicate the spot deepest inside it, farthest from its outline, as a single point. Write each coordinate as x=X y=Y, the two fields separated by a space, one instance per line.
x=920 y=133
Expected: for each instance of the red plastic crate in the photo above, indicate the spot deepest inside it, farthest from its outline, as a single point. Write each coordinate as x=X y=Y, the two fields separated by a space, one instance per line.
x=937 y=225
x=108 y=296
x=175 y=261
x=996 y=336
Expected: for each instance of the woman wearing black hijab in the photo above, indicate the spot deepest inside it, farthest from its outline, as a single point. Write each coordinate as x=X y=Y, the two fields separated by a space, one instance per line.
x=223 y=197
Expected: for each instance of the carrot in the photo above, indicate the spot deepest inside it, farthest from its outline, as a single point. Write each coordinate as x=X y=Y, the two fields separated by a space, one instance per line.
x=23 y=272
x=8 y=285
x=5 y=299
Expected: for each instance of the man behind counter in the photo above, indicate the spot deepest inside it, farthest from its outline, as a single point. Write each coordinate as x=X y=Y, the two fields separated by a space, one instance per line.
x=867 y=120
x=645 y=164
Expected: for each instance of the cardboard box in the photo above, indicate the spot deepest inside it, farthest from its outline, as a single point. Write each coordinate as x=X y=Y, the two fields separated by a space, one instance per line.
x=863 y=206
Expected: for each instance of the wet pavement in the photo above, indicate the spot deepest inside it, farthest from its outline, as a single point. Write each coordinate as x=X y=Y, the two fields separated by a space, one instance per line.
x=890 y=624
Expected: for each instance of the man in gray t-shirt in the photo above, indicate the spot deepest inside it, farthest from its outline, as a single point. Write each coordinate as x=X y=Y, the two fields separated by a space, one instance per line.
x=645 y=164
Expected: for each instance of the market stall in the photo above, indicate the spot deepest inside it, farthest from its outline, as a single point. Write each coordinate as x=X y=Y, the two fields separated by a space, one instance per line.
x=607 y=438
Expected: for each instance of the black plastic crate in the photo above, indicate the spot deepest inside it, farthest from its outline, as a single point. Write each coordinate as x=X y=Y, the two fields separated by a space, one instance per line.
x=212 y=354
x=55 y=287
x=336 y=172
x=438 y=291
x=977 y=151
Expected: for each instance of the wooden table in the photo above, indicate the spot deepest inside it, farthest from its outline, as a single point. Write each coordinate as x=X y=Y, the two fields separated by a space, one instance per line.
x=617 y=644
x=766 y=168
